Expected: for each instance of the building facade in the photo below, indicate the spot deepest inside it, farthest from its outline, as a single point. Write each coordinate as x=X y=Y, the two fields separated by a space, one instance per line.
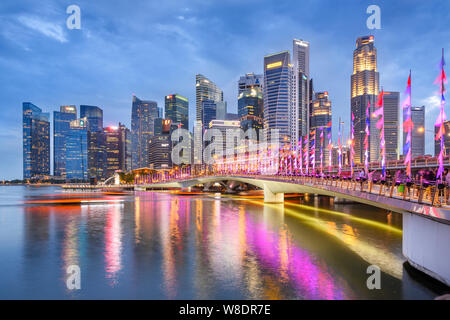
x=125 y=148
x=177 y=110
x=113 y=150
x=392 y=124
x=143 y=115
x=417 y=133
x=364 y=90
x=277 y=98
x=300 y=91
x=61 y=127
x=319 y=124
x=77 y=149
x=36 y=141
x=251 y=111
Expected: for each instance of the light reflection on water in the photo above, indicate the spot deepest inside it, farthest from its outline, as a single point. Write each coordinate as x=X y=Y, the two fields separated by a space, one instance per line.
x=165 y=246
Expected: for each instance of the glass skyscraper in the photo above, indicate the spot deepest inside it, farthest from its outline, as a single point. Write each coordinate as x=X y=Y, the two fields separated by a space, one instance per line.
x=36 y=141
x=96 y=140
x=177 y=110
x=251 y=110
x=143 y=115
x=61 y=127
x=205 y=90
x=77 y=151
x=277 y=82
x=125 y=148
x=364 y=89
x=113 y=144
x=300 y=94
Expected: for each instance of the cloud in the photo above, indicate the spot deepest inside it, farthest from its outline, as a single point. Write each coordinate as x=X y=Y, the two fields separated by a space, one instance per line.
x=48 y=29
x=431 y=103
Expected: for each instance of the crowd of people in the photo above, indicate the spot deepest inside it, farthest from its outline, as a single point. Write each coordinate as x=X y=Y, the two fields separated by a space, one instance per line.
x=425 y=177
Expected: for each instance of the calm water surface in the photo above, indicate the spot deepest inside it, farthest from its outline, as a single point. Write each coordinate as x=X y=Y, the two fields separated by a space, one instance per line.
x=159 y=245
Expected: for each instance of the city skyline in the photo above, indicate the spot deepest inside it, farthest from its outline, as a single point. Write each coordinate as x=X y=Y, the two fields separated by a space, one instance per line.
x=116 y=109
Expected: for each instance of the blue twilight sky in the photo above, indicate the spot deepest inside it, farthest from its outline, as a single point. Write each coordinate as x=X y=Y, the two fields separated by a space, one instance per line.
x=154 y=48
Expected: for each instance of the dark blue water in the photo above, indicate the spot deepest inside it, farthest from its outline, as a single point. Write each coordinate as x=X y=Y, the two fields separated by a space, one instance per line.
x=166 y=246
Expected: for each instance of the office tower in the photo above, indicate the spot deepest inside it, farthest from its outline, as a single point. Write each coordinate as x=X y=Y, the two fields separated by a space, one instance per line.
x=231 y=117
x=36 y=141
x=125 y=148
x=417 y=133
x=77 y=149
x=223 y=126
x=277 y=87
x=61 y=127
x=364 y=89
x=249 y=81
x=177 y=110
x=437 y=143
x=392 y=124
x=143 y=115
x=221 y=110
x=96 y=154
x=113 y=144
x=300 y=91
x=94 y=116
x=205 y=89
x=320 y=120
x=96 y=141
x=160 y=156
x=251 y=110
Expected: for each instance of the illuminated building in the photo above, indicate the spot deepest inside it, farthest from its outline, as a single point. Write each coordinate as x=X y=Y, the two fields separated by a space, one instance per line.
x=300 y=91
x=205 y=90
x=222 y=126
x=392 y=124
x=94 y=116
x=251 y=110
x=61 y=127
x=36 y=142
x=364 y=89
x=125 y=148
x=417 y=133
x=77 y=149
x=177 y=109
x=160 y=146
x=249 y=81
x=143 y=115
x=113 y=156
x=277 y=86
x=321 y=118
x=96 y=140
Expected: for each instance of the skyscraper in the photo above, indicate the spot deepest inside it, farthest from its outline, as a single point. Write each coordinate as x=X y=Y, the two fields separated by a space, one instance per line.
x=300 y=96
x=250 y=80
x=77 y=149
x=160 y=156
x=177 y=110
x=251 y=110
x=143 y=115
x=277 y=88
x=364 y=90
x=417 y=133
x=113 y=144
x=94 y=116
x=205 y=90
x=437 y=143
x=125 y=148
x=392 y=124
x=96 y=140
x=320 y=119
x=61 y=127
x=36 y=141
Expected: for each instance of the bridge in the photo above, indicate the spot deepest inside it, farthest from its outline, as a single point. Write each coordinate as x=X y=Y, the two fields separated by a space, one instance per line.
x=425 y=207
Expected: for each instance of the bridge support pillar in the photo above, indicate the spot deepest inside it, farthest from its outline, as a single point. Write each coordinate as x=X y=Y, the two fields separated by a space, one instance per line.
x=425 y=245
x=271 y=197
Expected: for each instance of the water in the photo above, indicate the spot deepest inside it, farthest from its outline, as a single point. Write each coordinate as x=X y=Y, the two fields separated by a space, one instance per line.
x=167 y=246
